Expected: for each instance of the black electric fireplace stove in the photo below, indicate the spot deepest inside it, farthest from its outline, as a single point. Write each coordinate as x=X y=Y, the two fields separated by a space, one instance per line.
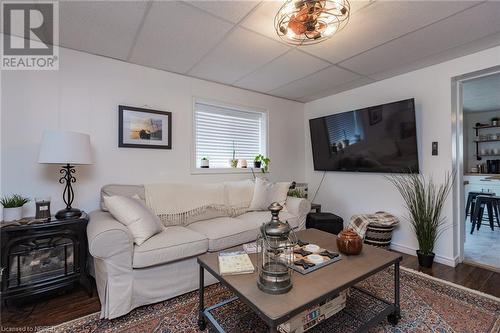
x=42 y=257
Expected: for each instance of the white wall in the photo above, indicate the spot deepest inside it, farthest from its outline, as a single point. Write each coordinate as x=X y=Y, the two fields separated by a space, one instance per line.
x=84 y=96
x=351 y=193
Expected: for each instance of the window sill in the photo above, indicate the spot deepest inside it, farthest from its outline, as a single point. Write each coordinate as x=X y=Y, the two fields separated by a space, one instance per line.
x=205 y=171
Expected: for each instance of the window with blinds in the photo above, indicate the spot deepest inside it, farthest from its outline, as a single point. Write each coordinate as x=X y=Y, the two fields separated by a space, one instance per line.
x=344 y=126
x=221 y=130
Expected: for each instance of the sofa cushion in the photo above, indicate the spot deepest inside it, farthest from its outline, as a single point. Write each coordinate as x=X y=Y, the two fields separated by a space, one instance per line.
x=257 y=218
x=265 y=193
x=225 y=232
x=122 y=190
x=173 y=243
x=131 y=212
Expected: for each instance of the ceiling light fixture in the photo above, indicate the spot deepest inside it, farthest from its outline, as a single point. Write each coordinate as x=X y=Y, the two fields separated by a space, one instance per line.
x=303 y=22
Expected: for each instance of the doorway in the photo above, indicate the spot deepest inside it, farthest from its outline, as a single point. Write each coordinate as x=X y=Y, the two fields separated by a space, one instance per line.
x=476 y=159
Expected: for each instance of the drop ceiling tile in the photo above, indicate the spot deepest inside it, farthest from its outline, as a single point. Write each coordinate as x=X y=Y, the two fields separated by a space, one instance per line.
x=176 y=36
x=287 y=68
x=100 y=27
x=233 y=11
x=262 y=19
x=337 y=89
x=459 y=51
x=465 y=27
x=327 y=78
x=239 y=54
x=382 y=21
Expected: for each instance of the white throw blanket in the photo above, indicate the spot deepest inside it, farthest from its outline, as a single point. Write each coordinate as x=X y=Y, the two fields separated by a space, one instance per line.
x=182 y=203
x=175 y=204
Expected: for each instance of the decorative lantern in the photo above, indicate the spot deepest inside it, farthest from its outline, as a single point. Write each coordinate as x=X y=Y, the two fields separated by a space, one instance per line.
x=277 y=241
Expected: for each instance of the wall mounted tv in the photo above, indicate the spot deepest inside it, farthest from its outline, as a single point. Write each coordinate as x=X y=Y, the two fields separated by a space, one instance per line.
x=380 y=138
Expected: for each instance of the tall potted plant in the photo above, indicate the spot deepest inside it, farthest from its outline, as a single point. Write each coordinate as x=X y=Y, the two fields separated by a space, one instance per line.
x=424 y=200
x=13 y=207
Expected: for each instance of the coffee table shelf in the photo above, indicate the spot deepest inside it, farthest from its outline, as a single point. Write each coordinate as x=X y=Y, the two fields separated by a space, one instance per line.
x=363 y=310
x=328 y=282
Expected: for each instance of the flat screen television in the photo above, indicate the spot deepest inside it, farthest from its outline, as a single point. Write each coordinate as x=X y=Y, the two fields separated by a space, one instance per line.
x=380 y=138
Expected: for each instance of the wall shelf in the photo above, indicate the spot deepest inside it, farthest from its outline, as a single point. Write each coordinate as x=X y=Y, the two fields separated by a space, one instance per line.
x=480 y=127
x=492 y=140
x=486 y=126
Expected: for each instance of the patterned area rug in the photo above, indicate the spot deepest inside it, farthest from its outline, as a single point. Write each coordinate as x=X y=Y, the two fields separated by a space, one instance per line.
x=428 y=305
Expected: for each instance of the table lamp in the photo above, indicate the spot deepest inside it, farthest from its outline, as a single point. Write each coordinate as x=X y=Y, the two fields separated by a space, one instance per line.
x=69 y=149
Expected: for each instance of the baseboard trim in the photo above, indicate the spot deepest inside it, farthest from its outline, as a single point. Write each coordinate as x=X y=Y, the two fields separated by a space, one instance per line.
x=452 y=262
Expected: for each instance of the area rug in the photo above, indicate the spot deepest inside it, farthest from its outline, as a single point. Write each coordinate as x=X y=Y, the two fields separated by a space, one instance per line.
x=428 y=305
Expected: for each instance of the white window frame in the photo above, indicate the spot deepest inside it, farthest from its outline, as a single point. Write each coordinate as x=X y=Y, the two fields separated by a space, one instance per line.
x=228 y=170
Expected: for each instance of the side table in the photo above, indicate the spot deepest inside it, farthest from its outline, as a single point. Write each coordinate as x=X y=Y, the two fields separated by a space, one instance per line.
x=325 y=221
x=41 y=257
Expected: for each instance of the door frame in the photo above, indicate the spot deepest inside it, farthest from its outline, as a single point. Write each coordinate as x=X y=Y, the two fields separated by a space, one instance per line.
x=457 y=131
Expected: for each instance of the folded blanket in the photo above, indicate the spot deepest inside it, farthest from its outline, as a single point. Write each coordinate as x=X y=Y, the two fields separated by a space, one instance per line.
x=359 y=223
x=183 y=203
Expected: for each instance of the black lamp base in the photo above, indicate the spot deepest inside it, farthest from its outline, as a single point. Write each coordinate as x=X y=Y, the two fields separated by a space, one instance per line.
x=71 y=213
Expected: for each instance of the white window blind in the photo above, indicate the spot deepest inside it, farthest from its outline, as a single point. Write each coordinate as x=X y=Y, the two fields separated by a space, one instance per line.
x=219 y=129
x=344 y=126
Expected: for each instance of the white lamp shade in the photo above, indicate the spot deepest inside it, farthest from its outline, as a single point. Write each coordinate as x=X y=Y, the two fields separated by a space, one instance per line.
x=64 y=147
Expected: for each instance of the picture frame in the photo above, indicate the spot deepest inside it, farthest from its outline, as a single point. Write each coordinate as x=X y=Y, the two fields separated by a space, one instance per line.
x=144 y=128
x=375 y=116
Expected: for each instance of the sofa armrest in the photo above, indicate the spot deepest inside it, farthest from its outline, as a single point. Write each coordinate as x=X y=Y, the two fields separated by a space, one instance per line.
x=111 y=245
x=297 y=206
x=107 y=237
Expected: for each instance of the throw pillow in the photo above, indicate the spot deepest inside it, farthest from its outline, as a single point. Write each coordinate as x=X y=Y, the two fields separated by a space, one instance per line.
x=132 y=213
x=265 y=193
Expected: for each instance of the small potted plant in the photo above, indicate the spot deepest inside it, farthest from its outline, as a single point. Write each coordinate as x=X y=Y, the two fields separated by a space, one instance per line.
x=261 y=162
x=233 y=162
x=494 y=121
x=257 y=162
x=424 y=201
x=204 y=163
x=13 y=207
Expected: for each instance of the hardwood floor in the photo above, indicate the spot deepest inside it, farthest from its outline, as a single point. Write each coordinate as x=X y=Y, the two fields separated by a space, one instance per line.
x=72 y=305
x=467 y=275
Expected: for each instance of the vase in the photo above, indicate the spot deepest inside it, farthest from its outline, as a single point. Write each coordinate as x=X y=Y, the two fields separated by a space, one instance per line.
x=12 y=214
x=349 y=242
x=425 y=260
x=204 y=164
x=257 y=164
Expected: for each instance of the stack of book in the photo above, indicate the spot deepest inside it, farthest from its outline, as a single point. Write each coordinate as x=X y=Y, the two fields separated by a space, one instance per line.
x=314 y=315
x=237 y=262
x=251 y=247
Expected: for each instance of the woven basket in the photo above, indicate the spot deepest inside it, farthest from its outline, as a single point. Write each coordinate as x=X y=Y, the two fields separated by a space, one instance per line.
x=379 y=235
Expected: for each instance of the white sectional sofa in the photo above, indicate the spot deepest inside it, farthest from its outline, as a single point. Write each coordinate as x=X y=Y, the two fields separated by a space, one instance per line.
x=164 y=266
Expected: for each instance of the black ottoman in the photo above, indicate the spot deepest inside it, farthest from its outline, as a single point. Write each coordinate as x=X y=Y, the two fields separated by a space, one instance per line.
x=325 y=221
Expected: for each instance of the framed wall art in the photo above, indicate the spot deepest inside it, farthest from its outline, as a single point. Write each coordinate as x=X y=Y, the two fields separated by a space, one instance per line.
x=144 y=128
x=375 y=115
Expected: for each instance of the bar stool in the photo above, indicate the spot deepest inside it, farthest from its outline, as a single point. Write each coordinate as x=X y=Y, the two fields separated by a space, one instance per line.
x=492 y=204
x=471 y=200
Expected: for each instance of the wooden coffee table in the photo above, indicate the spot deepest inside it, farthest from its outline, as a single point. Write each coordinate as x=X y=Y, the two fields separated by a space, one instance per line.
x=309 y=289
